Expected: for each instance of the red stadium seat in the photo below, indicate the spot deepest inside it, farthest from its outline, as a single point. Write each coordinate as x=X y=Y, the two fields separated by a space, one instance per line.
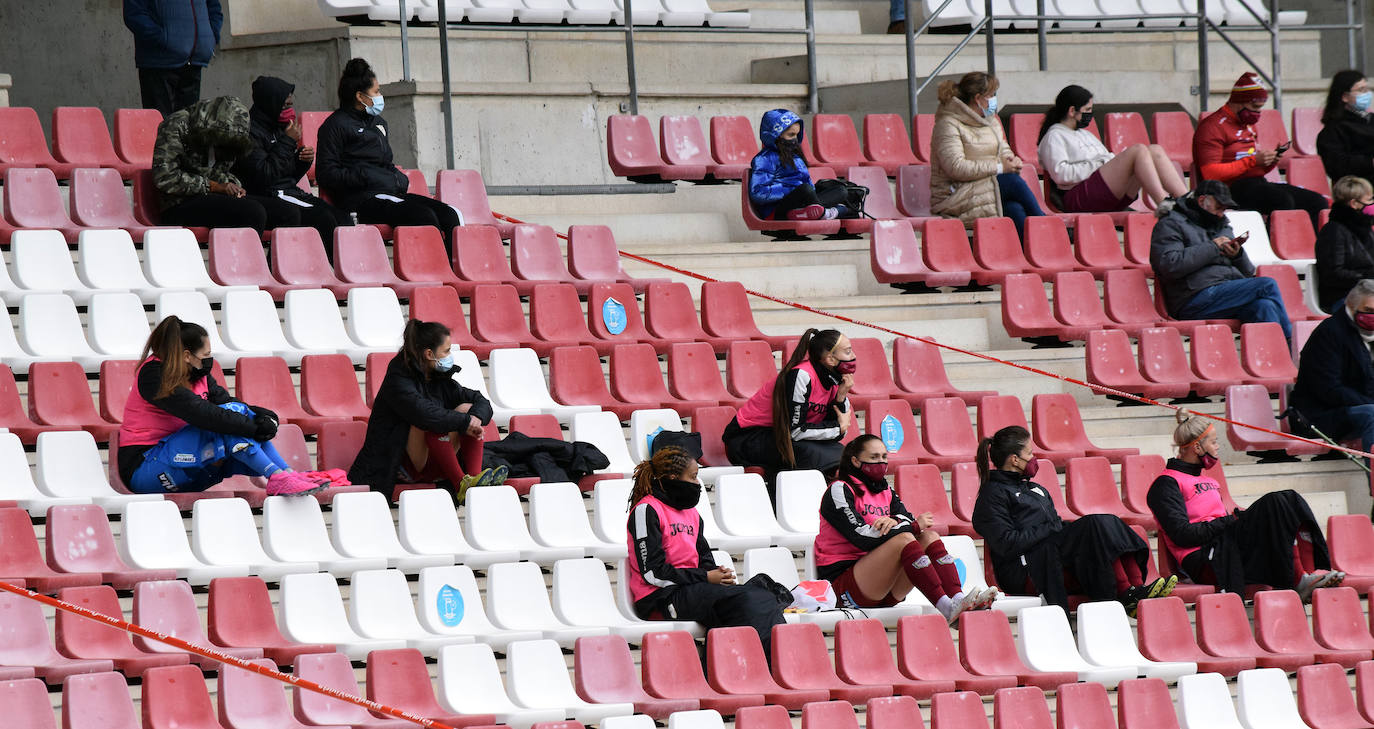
x=1223 y=629
x=1023 y=707
x=683 y=144
x=95 y=699
x=594 y=256
x=1111 y=362
x=999 y=411
x=33 y=200
x=420 y=258
x=26 y=643
x=835 y=141
x=670 y=314
x=749 y=365
x=1290 y=290
x=1173 y=130
x=1091 y=489
x=873 y=378
x=418 y=184
x=1137 y=474
x=963 y=489
x=81 y=637
x=1364 y=689
x=1290 y=232
x=768 y=716
x=725 y=313
x=575 y=378
x=1097 y=245
x=465 y=190
x=710 y=423
x=99 y=200
x=671 y=669
x=921 y=126
x=339 y=443
x=986 y=648
x=13 y=414
x=1217 y=364
x=919 y=370
x=1281 y=626
x=248 y=700
x=1145 y=703
x=78 y=540
x=997 y=247
x=81 y=138
x=802 y=661
x=895 y=257
x=947 y=431
x=266 y=381
x=1338 y=616
x=922 y=489
x=175 y=697
x=893 y=712
x=1024 y=136
x=556 y=318
x=637 y=378
x=22 y=144
x=334 y=671
x=694 y=374
x=945 y=245
x=1127 y=301
x=736 y=665
x=440 y=303
x=1077 y=303
x=329 y=387
x=733 y=146
x=298 y=260
x=886 y=142
x=633 y=154
x=1308 y=173
x=1324 y=698
x=1057 y=426
x=479 y=257
x=901 y=436
x=1351 y=543
x=879 y=203
x=602 y=313
x=1307 y=123
x=1162 y=359
x=1084 y=705
x=913 y=190
x=829 y=715
x=1026 y=312
x=1047 y=246
x=377 y=362
x=959 y=710
x=605 y=673
x=135 y=132
x=1139 y=227
x=240 y=616
x=237 y=259
x=497 y=318
x=1165 y=634
x=535 y=257
x=60 y=395
x=399 y=678
x=1124 y=129
x=1264 y=352
x=862 y=657
x=925 y=651
x=1270 y=131
x=310 y=133
x=21 y=558
x=784 y=228
x=360 y=258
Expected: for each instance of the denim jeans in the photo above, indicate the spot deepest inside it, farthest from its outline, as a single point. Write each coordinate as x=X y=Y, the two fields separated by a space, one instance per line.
x=897 y=11
x=1247 y=299
x=1018 y=201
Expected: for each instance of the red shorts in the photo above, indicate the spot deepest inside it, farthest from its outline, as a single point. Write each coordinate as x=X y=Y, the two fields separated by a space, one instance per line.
x=845 y=584
x=1093 y=196
x=406 y=472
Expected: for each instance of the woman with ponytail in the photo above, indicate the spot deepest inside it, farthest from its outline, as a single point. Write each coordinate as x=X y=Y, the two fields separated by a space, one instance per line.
x=671 y=573
x=1275 y=542
x=797 y=421
x=425 y=427
x=1032 y=549
x=183 y=432
x=873 y=551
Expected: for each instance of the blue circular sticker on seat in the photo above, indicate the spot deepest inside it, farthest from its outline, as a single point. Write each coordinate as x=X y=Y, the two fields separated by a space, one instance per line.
x=613 y=315
x=450 y=605
x=892 y=433
x=963 y=570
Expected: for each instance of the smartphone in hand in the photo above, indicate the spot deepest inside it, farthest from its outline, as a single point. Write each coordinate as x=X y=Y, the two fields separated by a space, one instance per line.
x=1240 y=241
x=1279 y=150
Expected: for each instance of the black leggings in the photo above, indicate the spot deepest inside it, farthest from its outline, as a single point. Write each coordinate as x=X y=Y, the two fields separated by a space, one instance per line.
x=411 y=210
x=320 y=215
x=800 y=197
x=755 y=447
x=716 y=606
x=1257 y=193
x=214 y=210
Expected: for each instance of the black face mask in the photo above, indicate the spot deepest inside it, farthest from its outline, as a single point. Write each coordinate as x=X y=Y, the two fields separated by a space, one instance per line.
x=1209 y=219
x=1086 y=119
x=206 y=365
x=679 y=494
x=790 y=146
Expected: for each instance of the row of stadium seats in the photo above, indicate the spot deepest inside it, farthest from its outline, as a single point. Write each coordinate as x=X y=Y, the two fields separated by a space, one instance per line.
x=572 y=12
x=1230 y=12
x=1163 y=370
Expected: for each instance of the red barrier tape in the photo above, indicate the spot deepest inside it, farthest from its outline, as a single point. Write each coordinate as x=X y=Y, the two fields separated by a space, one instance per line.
x=176 y=642
x=1101 y=389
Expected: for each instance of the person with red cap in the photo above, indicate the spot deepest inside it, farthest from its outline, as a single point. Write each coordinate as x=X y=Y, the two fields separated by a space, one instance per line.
x=1226 y=148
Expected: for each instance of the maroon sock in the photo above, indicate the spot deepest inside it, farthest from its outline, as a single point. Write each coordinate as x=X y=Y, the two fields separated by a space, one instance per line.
x=1132 y=569
x=1302 y=551
x=945 y=567
x=441 y=454
x=470 y=453
x=1123 y=583
x=919 y=569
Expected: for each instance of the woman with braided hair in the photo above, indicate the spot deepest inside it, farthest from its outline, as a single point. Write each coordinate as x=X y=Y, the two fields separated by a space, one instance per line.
x=671 y=573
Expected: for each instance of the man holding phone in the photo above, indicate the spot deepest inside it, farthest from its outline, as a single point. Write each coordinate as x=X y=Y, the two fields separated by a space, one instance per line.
x=1226 y=148
x=1201 y=266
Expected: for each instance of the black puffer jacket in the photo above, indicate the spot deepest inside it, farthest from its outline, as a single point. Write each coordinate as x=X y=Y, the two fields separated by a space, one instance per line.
x=1345 y=254
x=1346 y=146
x=1184 y=258
x=409 y=398
x=272 y=164
x=353 y=158
x=1016 y=517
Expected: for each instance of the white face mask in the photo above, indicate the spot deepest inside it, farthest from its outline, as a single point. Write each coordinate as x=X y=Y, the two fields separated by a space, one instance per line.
x=378 y=103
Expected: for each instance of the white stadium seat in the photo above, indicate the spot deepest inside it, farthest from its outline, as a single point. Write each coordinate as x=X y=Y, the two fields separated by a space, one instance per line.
x=1046 y=643
x=50 y=328
x=106 y=260
x=1105 y=638
x=117 y=325
x=743 y=508
x=517 y=600
x=312 y=611
x=1265 y=700
x=172 y=260
x=537 y=678
x=154 y=538
x=380 y=607
x=16 y=481
x=69 y=466
x=450 y=604
x=363 y=528
x=558 y=518
x=43 y=264
x=495 y=521
x=223 y=533
x=313 y=322
x=602 y=429
x=429 y=525
x=611 y=511
x=375 y=318
x=645 y=423
x=470 y=376
x=1204 y=702
x=192 y=306
x=293 y=531
x=517 y=383
x=582 y=596
x=799 y=500
x=470 y=683
x=251 y=323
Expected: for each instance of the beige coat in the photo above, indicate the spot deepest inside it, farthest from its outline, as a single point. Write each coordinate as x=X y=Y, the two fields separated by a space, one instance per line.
x=966 y=152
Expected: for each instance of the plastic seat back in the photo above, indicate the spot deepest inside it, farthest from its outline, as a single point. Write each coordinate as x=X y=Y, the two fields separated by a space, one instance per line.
x=375 y=318
x=1023 y=134
x=958 y=710
x=913 y=190
x=175 y=697
x=335 y=671
x=681 y=141
x=1126 y=297
x=135 y=133
x=1124 y=129
x=79 y=539
x=1162 y=358
x=1173 y=130
x=267 y=382
x=1091 y=487
x=59 y=394
x=360 y=256
x=96 y=699
x=479 y=256
x=535 y=255
x=80 y=137
x=465 y=190
x=593 y=254
x=1223 y=629
x=399 y=678
x=339 y=443
x=711 y=423
x=1096 y=242
x=921 y=126
x=1084 y=705
x=298 y=257
x=419 y=255
x=1351 y=543
x=879 y=202
x=725 y=311
x=829 y=715
x=1281 y=623
x=1264 y=698
x=749 y=365
x=635 y=376
x=1076 y=301
x=694 y=373
x=1145 y=703
x=1307 y=123
x=892 y=421
x=996 y=246
x=1205 y=701
x=669 y=312
x=237 y=259
x=1264 y=351
x=613 y=314
x=98 y=199
x=1214 y=354
x=1289 y=289
x=1047 y=245
x=42 y=262
x=1023 y=707
x=671 y=665
x=835 y=140
x=630 y=146
x=1291 y=233
x=1324 y=697
x=732 y=140
x=886 y=141
x=248 y=699
x=946 y=427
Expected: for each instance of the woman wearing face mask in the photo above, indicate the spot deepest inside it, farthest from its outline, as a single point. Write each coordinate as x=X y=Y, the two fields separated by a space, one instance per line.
x=1090 y=179
x=353 y=164
x=278 y=160
x=1346 y=141
x=1345 y=245
x=779 y=182
x=797 y=421
x=973 y=173
x=183 y=432
x=1275 y=542
x=1032 y=549
x=670 y=571
x=425 y=427
x=873 y=551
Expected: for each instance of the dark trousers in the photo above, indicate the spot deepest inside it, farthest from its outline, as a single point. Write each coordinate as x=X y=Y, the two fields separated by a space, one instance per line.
x=800 y=197
x=169 y=89
x=320 y=215
x=1257 y=193
x=1018 y=201
x=717 y=606
x=755 y=447
x=1258 y=547
x=411 y=210
x=213 y=210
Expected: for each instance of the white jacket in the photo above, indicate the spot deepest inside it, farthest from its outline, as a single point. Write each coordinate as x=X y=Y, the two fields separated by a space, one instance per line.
x=1070 y=156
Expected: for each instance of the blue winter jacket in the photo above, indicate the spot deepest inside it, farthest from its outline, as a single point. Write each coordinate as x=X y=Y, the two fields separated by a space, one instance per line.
x=769 y=179
x=173 y=33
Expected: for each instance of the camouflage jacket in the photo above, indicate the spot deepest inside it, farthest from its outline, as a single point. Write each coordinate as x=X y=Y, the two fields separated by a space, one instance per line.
x=197 y=145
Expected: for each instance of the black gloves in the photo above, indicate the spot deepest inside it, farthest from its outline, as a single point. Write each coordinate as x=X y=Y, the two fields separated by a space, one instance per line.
x=266 y=427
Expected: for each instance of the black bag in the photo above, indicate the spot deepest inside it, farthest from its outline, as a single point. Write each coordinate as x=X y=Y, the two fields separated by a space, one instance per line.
x=842 y=192
x=689 y=442
x=765 y=582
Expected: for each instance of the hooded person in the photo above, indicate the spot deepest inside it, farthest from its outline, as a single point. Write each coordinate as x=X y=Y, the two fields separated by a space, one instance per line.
x=278 y=158
x=780 y=186
x=194 y=156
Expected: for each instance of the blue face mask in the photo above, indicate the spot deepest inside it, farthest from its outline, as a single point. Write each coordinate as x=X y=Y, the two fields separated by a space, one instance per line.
x=1362 y=101
x=378 y=103
x=445 y=365
x=992 y=107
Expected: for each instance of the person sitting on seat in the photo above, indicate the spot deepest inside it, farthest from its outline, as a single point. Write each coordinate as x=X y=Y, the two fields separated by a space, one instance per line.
x=278 y=160
x=1202 y=267
x=1275 y=542
x=1032 y=549
x=424 y=426
x=1335 y=385
x=353 y=161
x=873 y=551
x=973 y=172
x=1345 y=245
x=182 y=432
x=1089 y=178
x=798 y=419
x=1346 y=141
x=1226 y=149
x=670 y=571
x=779 y=181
